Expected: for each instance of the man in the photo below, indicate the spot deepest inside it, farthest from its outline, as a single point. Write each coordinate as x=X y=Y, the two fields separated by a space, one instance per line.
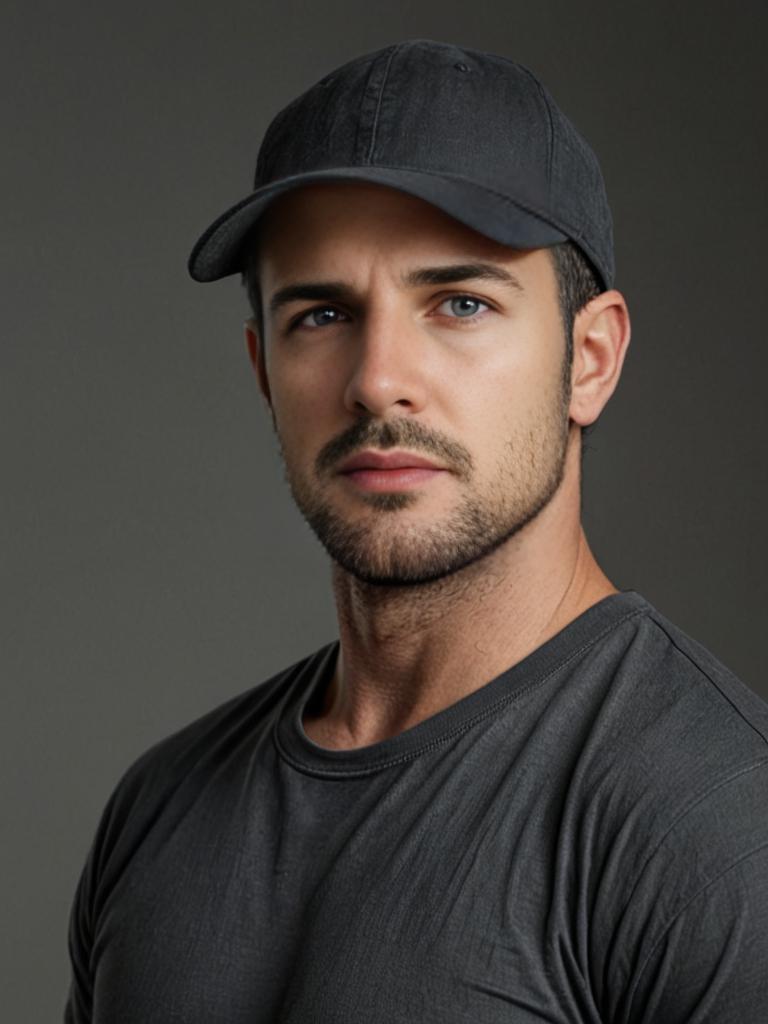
x=508 y=792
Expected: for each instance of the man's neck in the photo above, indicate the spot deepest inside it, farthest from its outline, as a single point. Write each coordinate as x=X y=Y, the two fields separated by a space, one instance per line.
x=408 y=652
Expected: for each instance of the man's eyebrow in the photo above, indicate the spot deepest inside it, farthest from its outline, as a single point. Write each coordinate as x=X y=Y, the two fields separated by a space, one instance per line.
x=452 y=273
x=334 y=291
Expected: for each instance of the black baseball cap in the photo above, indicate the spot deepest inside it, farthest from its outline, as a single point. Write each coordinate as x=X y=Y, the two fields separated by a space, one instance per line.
x=475 y=134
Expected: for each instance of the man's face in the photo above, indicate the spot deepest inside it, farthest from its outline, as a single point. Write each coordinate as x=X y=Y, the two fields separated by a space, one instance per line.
x=466 y=373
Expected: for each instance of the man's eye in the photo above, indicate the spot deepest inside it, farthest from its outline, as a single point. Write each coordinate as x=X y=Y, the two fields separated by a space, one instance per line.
x=463 y=307
x=459 y=307
x=320 y=316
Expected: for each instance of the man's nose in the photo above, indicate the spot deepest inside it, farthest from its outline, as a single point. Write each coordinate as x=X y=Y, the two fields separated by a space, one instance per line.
x=388 y=370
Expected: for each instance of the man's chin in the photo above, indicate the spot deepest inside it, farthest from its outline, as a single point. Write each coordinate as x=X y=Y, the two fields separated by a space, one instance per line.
x=385 y=551
x=401 y=568
x=375 y=577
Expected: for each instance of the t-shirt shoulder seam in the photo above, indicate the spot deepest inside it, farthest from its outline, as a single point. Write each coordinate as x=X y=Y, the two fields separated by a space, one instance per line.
x=688 y=903
x=688 y=809
x=708 y=676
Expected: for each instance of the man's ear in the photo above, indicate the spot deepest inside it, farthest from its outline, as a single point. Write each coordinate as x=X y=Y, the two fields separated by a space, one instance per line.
x=601 y=332
x=256 y=353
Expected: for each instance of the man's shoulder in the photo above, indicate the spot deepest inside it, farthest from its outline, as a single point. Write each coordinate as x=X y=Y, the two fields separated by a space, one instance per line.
x=702 y=698
x=682 y=758
x=668 y=737
x=659 y=713
x=669 y=798
x=223 y=735
x=668 y=816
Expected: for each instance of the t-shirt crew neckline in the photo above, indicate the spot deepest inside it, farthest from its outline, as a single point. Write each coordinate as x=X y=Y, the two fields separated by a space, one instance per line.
x=303 y=754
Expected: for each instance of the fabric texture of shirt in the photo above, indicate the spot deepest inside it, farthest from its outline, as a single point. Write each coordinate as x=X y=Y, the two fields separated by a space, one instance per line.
x=582 y=839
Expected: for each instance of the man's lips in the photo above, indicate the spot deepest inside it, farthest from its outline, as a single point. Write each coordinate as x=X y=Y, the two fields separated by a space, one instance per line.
x=386 y=461
x=381 y=472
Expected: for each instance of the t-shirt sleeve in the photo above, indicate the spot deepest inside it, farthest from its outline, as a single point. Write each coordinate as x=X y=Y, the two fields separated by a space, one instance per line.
x=711 y=962
x=111 y=845
x=83 y=915
x=79 y=1007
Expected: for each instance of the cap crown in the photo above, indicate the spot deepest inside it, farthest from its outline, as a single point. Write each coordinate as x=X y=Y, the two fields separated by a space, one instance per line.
x=434 y=107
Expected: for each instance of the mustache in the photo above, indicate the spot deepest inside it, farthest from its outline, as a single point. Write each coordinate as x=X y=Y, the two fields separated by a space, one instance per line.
x=400 y=432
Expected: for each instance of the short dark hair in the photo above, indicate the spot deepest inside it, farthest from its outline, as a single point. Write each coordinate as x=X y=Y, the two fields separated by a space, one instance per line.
x=577 y=283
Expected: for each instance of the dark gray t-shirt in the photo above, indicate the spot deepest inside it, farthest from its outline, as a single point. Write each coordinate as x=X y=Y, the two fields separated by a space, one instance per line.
x=583 y=839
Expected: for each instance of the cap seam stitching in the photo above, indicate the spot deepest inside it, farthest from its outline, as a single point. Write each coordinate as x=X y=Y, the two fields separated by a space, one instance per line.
x=550 y=122
x=375 y=126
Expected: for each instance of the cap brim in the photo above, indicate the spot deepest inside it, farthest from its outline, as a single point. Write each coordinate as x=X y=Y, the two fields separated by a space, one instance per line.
x=219 y=251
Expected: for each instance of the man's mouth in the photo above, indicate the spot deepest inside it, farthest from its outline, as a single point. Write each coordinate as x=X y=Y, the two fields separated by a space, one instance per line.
x=386 y=471
x=387 y=461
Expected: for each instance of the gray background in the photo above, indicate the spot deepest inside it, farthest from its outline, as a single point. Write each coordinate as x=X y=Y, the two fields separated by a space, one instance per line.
x=152 y=562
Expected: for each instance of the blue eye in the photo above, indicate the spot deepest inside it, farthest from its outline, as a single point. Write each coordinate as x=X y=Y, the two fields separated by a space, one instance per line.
x=319 y=312
x=464 y=307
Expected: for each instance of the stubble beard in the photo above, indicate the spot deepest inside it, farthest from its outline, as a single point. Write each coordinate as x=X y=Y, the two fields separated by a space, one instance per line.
x=382 y=550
